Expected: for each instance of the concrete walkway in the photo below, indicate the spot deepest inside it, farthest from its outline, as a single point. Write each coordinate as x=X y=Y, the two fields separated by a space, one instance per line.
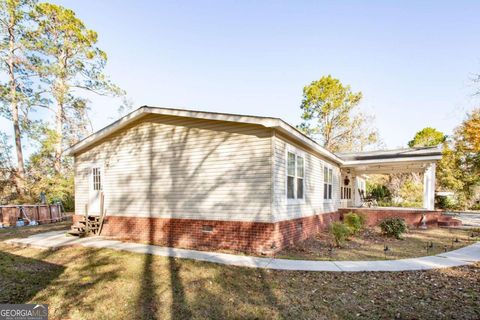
x=57 y=239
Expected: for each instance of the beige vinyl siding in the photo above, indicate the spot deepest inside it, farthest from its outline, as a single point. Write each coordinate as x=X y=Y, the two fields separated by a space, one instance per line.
x=313 y=203
x=176 y=167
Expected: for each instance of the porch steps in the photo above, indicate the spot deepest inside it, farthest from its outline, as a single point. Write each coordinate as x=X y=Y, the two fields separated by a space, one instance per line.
x=86 y=226
x=448 y=221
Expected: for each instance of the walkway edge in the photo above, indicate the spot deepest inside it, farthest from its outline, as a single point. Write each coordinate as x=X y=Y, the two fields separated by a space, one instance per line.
x=57 y=239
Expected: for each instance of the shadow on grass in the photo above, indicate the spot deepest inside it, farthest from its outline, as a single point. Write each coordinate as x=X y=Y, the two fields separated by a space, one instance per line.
x=79 y=289
x=21 y=278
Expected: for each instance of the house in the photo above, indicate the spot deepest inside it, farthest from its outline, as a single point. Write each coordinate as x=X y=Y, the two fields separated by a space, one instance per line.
x=213 y=180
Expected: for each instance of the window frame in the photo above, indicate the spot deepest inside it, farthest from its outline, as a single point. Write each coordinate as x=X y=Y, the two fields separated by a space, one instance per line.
x=301 y=154
x=329 y=196
x=346 y=193
x=101 y=174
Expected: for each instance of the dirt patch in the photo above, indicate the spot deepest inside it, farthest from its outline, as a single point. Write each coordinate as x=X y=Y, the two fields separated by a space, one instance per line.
x=370 y=244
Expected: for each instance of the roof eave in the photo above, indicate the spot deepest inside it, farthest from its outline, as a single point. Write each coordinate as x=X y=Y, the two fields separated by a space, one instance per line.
x=274 y=123
x=106 y=131
x=354 y=163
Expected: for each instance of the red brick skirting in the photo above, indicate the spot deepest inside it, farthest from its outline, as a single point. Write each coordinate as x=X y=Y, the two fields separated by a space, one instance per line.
x=210 y=234
x=244 y=236
x=412 y=217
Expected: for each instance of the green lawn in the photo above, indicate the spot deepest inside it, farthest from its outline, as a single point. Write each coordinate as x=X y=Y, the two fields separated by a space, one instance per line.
x=88 y=283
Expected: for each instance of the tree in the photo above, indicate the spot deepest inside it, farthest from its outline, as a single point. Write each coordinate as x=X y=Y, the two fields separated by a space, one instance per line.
x=71 y=61
x=15 y=92
x=330 y=114
x=7 y=172
x=470 y=131
x=459 y=169
x=427 y=137
x=41 y=174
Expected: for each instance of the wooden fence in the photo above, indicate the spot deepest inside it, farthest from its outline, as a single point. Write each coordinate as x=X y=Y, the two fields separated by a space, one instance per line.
x=41 y=213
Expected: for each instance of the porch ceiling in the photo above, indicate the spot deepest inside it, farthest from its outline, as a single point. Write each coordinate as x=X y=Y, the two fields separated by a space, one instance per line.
x=391 y=161
x=387 y=168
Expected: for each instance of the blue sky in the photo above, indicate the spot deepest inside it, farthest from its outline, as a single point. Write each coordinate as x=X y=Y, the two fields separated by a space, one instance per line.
x=413 y=60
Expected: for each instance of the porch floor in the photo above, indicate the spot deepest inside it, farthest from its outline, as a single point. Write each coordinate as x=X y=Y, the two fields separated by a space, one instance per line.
x=389 y=208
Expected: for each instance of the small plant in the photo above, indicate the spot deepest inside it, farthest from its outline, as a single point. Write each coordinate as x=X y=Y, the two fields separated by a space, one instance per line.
x=393 y=227
x=340 y=232
x=354 y=222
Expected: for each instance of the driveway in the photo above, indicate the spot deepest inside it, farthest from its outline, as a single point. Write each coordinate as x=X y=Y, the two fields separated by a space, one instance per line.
x=469 y=219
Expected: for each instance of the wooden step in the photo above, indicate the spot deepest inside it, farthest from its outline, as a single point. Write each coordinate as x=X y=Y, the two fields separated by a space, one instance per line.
x=90 y=223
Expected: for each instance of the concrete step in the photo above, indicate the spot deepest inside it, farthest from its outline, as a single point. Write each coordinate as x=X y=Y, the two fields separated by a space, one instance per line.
x=447 y=221
x=76 y=233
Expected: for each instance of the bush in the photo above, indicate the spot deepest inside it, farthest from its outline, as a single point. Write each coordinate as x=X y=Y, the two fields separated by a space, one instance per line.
x=476 y=207
x=340 y=232
x=354 y=222
x=443 y=202
x=378 y=191
x=403 y=204
x=393 y=227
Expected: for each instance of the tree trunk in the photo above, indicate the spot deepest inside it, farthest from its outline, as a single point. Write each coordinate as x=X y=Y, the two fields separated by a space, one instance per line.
x=20 y=176
x=59 y=132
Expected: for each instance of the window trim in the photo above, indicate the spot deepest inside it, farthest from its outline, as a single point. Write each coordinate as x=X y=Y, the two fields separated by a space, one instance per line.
x=93 y=166
x=297 y=153
x=329 y=168
x=346 y=193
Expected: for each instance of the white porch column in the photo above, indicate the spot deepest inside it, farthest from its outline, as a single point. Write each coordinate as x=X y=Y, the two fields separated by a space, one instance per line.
x=429 y=187
x=358 y=183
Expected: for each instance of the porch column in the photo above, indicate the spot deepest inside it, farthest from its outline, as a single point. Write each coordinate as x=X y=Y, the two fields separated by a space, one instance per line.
x=357 y=184
x=429 y=187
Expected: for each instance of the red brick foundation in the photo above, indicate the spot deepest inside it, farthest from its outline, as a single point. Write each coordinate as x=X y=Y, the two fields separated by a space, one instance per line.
x=210 y=234
x=255 y=237
x=292 y=231
x=413 y=217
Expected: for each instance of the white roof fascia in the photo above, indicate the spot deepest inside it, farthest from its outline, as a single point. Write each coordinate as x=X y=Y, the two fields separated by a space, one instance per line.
x=354 y=163
x=263 y=121
x=111 y=128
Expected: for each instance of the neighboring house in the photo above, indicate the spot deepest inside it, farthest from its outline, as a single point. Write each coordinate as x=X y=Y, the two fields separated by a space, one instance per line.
x=213 y=180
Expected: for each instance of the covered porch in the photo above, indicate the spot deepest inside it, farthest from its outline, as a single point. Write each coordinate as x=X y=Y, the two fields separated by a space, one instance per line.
x=357 y=167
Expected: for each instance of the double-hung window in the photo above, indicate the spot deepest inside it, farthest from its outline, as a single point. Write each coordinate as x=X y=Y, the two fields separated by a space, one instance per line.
x=327 y=183
x=295 y=176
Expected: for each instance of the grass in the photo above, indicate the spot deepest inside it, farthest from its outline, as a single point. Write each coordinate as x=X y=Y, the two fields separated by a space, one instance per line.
x=89 y=283
x=370 y=244
x=23 y=232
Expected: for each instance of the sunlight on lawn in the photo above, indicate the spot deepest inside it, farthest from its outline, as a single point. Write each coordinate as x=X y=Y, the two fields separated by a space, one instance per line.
x=88 y=283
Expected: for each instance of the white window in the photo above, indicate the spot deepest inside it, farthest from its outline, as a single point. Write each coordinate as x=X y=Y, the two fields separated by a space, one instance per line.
x=97 y=179
x=295 y=176
x=327 y=183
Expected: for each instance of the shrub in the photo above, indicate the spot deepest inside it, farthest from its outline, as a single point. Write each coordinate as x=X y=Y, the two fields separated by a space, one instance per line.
x=443 y=202
x=476 y=207
x=378 y=191
x=340 y=232
x=393 y=227
x=354 y=222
